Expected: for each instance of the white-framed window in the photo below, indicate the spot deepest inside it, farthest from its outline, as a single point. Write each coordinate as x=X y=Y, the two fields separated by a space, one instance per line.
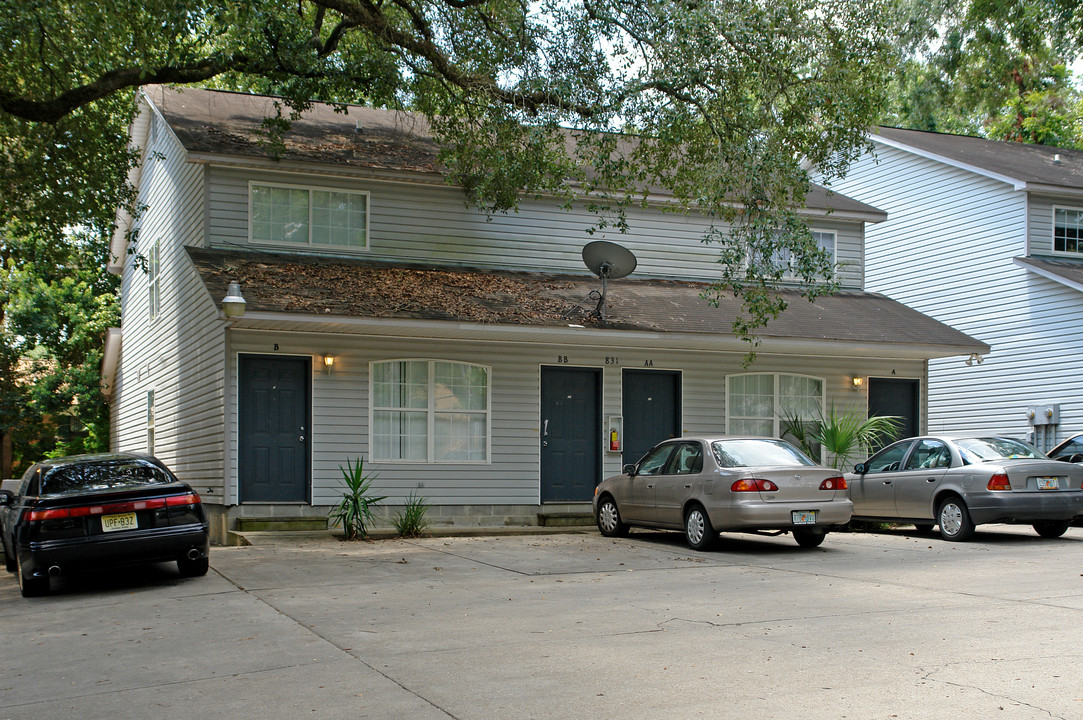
x=154 y=280
x=757 y=403
x=1068 y=231
x=432 y=411
x=825 y=240
x=308 y=216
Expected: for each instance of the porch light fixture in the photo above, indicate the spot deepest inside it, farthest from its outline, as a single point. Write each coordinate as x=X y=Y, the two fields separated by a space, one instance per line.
x=233 y=303
x=857 y=381
x=328 y=363
x=974 y=358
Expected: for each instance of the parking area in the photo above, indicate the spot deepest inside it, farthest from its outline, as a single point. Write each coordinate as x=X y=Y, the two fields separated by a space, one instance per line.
x=893 y=625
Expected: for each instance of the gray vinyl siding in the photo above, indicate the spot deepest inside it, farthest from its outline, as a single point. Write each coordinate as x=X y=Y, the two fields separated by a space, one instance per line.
x=946 y=250
x=340 y=405
x=179 y=354
x=427 y=224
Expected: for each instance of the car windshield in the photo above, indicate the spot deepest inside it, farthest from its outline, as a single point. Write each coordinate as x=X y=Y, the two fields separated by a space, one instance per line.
x=102 y=475
x=753 y=452
x=983 y=449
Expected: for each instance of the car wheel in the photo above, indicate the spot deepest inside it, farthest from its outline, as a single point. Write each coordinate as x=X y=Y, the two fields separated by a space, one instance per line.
x=193 y=568
x=698 y=530
x=809 y=538
x=954 y=520
x=31 y=586
x=609 y=522
x=1052 y=528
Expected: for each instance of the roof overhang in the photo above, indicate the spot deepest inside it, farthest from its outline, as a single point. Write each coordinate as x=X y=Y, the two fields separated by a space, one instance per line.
x=333 y=295
x=583 y=336
x=1069 y=274
x=1016 y=183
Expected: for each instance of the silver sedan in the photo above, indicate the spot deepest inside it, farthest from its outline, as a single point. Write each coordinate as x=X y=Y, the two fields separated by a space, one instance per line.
x=705 y=485
x=959 y=482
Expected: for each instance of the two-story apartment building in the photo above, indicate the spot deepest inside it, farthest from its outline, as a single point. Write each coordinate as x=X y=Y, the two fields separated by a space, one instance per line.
x=457 y=353
x=985 y=236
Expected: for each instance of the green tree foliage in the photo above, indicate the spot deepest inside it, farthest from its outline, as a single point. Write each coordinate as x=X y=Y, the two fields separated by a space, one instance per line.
x=716 y=103
x=991 y=68
x=57 y=305
x=726 y=98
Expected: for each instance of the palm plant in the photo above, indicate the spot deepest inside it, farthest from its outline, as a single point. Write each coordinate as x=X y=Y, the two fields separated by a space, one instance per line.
x=354 y=511
x=841 y=434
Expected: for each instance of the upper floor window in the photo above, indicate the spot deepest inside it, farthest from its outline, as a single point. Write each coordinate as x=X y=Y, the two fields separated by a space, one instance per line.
x=154 y=280
x=286 y=215
x=430 y=411
x=783 y=257
x=1067 y=230
x=758 y=403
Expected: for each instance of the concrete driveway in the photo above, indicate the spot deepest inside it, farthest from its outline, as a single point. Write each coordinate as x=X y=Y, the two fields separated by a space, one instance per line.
x=564 y=626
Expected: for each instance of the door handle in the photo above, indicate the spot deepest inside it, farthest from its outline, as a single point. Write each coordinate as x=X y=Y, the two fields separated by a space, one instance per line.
x=688 y=486
x=545 y=428
x=887 y=482
x=650 y=486
x=302 y=438
x=930 y=479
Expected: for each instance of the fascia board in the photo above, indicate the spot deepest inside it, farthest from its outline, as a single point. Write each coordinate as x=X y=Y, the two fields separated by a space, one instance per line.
x=1016 y=183
x=1049 y=275
x=590 y=336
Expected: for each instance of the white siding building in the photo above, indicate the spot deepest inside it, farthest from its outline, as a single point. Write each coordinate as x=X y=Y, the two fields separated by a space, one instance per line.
x=970 y=240
x=456 y=353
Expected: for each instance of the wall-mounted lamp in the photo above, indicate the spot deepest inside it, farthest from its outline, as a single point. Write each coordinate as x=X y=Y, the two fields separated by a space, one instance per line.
x=857 y=381
x=233 y=303
x=974 y=358
x=328 y=363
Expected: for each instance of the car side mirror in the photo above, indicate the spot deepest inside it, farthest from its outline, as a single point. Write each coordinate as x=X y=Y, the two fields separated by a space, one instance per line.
x=629 y=470
x=861 y=468
x=6 y=497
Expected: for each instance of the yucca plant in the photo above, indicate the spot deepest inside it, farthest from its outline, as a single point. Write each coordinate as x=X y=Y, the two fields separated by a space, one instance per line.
x=354 y=510
x=411 y=521
x=841 y=434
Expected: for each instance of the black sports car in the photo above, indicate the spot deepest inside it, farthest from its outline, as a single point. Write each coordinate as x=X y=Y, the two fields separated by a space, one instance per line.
x=85 y=511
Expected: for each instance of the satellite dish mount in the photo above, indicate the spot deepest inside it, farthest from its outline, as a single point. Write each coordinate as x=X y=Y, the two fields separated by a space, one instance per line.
x=609 y=261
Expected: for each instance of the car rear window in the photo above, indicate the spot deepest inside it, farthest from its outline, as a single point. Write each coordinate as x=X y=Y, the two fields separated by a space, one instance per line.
x=750 y=453
x=103 y=475
x=983 y=449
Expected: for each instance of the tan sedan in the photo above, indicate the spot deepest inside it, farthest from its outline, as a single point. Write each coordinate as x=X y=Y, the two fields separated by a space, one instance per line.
x=708 y=485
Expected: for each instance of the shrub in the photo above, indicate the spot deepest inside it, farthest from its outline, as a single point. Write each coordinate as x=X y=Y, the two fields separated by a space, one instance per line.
x=410 y=521
x=354 y=510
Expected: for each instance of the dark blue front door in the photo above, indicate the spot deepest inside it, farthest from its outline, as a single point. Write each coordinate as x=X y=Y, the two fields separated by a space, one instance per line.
x=896 y=397
x=274 y=428
x=651 y=408
x=571 y=437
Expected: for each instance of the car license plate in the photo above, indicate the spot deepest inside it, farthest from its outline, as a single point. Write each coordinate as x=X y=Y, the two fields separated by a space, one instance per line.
x=121 y=521
x=1047 y=483
x=804 y=517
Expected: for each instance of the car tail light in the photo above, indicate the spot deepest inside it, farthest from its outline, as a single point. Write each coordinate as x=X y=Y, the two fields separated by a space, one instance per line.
x=191 y=498
x=835 y=483
x=999 y=482
x=753 y=485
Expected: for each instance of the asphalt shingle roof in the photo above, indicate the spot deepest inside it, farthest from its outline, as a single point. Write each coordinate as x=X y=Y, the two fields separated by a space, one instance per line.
x=1020 y=161
x=329 y=288
x=229 y=123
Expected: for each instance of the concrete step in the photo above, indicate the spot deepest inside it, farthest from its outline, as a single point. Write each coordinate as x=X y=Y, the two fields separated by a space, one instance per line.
x=569 y=519
x=256 y=524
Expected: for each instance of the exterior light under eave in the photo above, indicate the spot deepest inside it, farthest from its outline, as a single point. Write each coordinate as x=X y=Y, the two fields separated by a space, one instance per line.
x=233 y=303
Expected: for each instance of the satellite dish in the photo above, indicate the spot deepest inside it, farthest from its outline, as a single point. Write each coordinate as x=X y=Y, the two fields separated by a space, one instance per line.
x=608 y=261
